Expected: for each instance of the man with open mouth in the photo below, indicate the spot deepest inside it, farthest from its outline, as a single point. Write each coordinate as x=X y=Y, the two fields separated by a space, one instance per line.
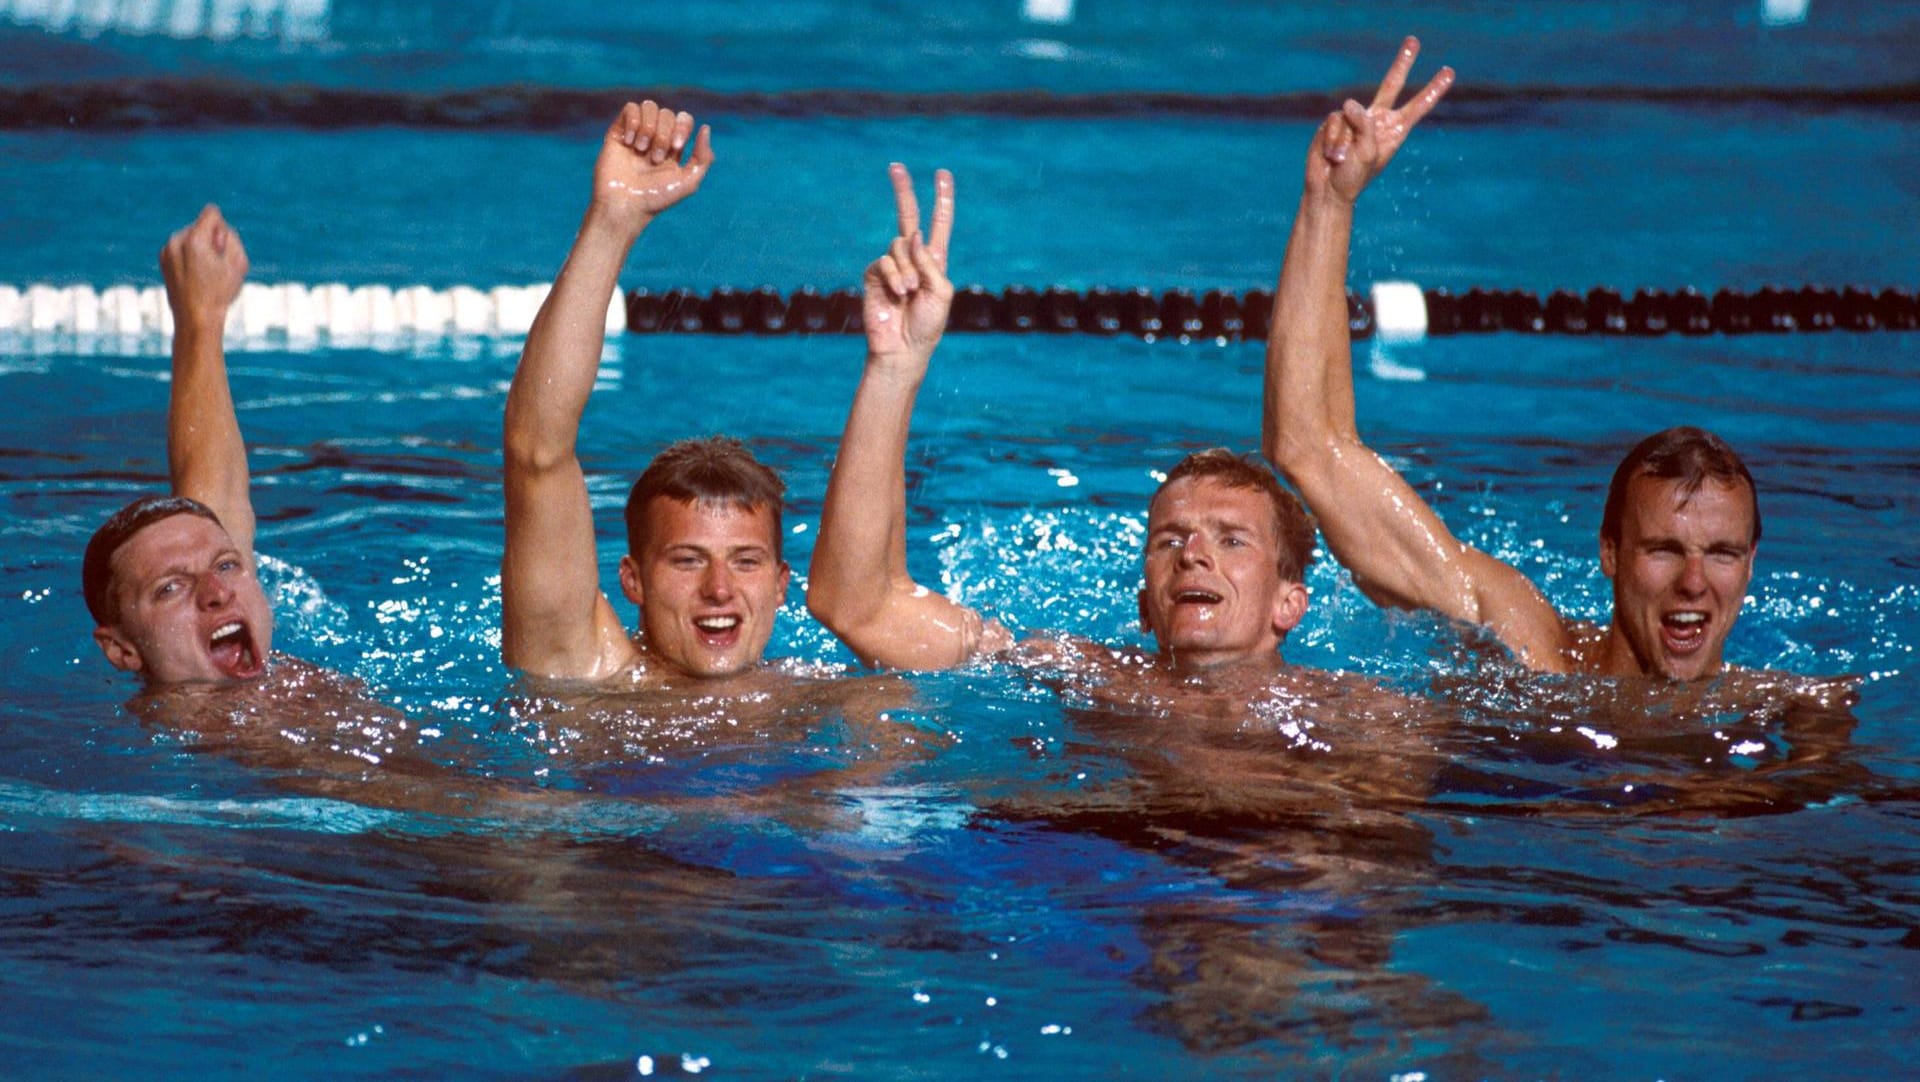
x=1227 y=546
x=703 y=558
x=1681 y=522
x=172 y=586
x=171 y=580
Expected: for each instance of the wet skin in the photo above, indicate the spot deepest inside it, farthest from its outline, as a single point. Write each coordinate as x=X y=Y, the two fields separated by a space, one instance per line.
x=1680 y=572
x=708 y=585
x=190 y=608
x=1213 y=590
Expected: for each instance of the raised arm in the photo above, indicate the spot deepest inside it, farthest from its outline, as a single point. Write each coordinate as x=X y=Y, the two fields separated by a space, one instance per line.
x=1398 y=549
x=555 y=619
x=858 y=584
x=204 y=266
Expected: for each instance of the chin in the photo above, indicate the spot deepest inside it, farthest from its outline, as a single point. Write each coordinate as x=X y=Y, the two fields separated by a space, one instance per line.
x=714 y=667
x=1692 y=671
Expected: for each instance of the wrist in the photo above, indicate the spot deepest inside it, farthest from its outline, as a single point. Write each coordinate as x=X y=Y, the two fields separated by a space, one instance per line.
x=614 y=224
x=1326 y=199
x=200 y=322
x=899 y=367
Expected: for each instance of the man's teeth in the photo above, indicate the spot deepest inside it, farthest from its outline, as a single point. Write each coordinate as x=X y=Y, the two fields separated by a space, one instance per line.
x=1202 y=596
x=1686 y=618
x=225 y=631
x=717 y=623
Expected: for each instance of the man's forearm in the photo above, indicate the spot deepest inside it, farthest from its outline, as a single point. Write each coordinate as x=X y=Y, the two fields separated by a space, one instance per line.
x=206 y=456
x=1309 y=380
x=862 y=544
x=562 y=355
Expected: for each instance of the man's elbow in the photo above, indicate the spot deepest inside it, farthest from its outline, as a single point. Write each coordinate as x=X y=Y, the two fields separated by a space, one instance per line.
x=822 y=606
x=1297 y=458
x=530 y=448
x=837 y=609
x=856 y=619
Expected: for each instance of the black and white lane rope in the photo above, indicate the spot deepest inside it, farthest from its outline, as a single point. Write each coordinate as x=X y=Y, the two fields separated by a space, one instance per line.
x=298 y=315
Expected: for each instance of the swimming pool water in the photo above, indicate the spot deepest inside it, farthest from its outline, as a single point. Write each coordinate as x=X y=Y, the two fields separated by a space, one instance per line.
x=995 y=898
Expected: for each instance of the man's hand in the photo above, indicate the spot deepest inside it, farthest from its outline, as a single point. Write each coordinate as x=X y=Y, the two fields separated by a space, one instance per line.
x=204 y=266
x=639 y=172
x=907 y=291
x=1356 y=143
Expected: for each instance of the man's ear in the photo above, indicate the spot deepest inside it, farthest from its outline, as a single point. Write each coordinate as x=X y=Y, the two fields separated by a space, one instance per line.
x=630 y=580
x=1609 y=555
x=120 y=651
x=1289 y=608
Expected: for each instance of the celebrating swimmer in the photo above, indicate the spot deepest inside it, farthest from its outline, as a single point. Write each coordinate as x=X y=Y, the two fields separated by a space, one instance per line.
x=171 y=580
x=703 y=558
x=1227 y=546
x=1681 y=521
x=172 y=584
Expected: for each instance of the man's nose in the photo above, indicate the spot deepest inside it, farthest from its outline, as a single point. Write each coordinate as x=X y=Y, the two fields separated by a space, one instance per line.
x=212 y=591
x=1693 y=575
x=1196 y=550
x=717 y=583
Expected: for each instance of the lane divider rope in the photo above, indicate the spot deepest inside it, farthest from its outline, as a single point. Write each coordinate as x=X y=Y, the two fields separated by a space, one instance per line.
x=121 y=105
x=300 y=316
x=290 y=312
x=289 y=21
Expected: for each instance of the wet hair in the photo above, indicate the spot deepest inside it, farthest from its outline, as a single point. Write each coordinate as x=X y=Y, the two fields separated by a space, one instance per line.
x=1292 y=524
x=1687 y=455
x=96 y=568
x=717 y=470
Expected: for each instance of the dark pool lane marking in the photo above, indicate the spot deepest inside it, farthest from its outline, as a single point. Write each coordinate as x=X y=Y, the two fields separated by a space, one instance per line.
x=143 y=104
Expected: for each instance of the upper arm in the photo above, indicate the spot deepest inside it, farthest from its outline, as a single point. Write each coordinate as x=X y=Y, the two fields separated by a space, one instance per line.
x=1508 y=604
x=911 y=627
x=231 y=502
x=555 y=621
x=1402 y=554
x=206 y=456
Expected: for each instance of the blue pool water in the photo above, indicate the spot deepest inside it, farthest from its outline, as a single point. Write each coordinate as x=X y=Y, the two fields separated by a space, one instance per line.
x=1011 y=893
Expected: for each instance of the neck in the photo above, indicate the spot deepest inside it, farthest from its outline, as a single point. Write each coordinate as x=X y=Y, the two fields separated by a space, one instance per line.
x=1202 y=663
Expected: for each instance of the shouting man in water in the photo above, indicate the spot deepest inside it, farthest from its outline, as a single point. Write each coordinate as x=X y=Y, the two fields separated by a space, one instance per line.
x=703 y=558
x=170 y=580
x=1681 y=522
x=172 y=584
x=1227 y=547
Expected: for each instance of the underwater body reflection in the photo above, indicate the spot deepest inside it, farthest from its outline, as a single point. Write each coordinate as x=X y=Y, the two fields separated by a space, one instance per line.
x=1325 y=821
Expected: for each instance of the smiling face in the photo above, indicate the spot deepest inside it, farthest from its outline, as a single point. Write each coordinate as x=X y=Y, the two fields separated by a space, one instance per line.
x=1213 y=592
x=186 y=606
x=708 y=583
x=1680 y=571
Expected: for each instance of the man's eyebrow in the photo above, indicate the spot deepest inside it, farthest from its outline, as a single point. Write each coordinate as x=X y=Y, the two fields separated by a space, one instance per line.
x=707 y=550
x=171 y=570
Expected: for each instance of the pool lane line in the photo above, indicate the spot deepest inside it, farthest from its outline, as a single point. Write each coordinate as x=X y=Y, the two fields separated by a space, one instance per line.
x=299 y=315
x=1396 y=311
x=122 y=105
